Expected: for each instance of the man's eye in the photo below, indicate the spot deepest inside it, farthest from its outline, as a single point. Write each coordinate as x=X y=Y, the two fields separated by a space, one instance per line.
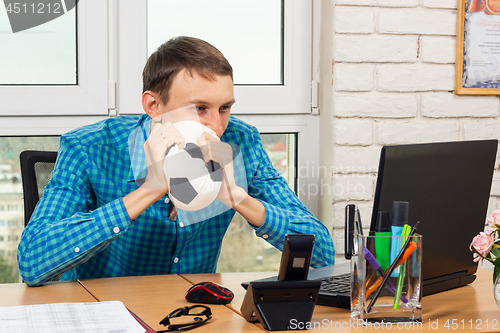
x=225 y=108
x=200 y=108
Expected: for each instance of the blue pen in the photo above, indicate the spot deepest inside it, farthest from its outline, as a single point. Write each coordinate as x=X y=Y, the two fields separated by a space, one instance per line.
x=373 y=261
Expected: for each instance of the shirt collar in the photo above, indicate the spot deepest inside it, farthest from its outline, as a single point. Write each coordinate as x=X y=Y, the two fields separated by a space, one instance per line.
x=136 y=140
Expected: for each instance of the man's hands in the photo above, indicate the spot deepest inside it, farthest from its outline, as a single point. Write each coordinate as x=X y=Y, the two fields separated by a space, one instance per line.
x=162 y=136
x=214 y=150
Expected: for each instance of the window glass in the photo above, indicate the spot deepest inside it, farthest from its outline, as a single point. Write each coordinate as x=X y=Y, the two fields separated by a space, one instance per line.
x=11 y=197
x=42 y=55
x=241 y=250
x=248 y=33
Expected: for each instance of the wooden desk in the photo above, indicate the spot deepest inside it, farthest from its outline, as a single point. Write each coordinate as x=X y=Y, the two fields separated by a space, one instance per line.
x=13 y=294
x=467 y=309
x=154 y=297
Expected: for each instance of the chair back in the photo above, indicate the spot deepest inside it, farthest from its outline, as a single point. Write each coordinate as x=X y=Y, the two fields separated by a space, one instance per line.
x=36 y=172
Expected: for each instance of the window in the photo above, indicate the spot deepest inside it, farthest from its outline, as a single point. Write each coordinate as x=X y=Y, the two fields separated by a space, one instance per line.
x=13 y=238
x=55 y=59
x=51 y=86
x=277 y=101
x=11 y=195
x=255 y=55
x=241 y=250
x=291 y=96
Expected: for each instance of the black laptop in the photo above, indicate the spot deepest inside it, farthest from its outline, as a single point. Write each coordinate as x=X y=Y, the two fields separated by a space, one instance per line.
x=448 y=187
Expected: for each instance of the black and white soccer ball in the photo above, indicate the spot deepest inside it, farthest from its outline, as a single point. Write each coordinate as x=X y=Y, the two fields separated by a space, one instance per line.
x=193 y=184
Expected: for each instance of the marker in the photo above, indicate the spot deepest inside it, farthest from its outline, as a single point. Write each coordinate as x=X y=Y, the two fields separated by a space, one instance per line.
x=391 y=268
x=411 y=247
x=375 y=264
x=399 y=288
x=399 y=219
x=383 y=243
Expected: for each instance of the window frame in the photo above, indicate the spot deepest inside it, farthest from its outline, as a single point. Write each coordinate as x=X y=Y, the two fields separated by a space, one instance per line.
x=293 y=97
x=90 y=95
x=106 y=59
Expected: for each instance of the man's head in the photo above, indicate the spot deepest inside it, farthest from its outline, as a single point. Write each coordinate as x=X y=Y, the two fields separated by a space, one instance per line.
x=187 y=71
x=194 y=55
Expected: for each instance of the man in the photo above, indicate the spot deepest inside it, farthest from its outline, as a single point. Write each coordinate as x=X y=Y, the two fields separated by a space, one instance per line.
x=98 y=219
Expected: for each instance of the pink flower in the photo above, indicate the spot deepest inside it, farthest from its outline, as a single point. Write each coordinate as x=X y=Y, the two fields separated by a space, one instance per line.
x=494 y=218
x=482 y=243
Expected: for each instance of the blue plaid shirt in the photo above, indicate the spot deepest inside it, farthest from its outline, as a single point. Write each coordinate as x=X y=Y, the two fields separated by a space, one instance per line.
x=80 y=228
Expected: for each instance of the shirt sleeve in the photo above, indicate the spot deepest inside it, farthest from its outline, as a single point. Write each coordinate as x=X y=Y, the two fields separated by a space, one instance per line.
x=67 y=228
x=284 y=211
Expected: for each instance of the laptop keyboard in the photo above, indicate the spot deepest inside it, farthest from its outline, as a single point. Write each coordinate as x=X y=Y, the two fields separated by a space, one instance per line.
x=340 y=284
x=335 y=291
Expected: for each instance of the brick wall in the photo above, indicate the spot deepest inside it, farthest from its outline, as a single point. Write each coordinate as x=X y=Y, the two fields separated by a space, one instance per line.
x=392 y=82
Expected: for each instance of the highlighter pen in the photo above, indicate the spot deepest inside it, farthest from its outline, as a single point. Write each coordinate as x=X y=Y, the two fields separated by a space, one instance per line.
x=371 y=287
x=375 y=264
x=383 y=243
x=399 y=219
x=391 y=268
x=399 y=288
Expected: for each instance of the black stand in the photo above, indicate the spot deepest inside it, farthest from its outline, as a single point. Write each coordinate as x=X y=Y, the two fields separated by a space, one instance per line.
x=280 y=305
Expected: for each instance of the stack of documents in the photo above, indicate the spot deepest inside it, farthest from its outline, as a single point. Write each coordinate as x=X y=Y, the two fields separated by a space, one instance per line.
x=98 y=317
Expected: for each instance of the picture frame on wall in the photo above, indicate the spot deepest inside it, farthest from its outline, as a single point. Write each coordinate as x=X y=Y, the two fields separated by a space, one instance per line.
x=477 y=66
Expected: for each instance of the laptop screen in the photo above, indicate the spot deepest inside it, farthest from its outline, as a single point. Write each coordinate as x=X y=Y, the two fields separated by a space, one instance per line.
x=448 y=187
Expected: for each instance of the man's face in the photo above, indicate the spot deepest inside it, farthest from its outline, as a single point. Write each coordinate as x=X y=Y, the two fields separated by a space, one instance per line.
x=213 y=98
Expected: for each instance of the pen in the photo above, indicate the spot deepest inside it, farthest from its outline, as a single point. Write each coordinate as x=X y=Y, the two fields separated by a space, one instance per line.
x=375 y=264
x=402 y=270
x=391 y=268
x=377 y=283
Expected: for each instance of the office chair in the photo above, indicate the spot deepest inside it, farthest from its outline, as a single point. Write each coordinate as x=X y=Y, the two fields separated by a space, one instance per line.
x=36 y=172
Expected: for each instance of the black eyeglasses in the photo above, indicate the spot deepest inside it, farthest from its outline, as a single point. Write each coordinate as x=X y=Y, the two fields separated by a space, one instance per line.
x=201 y=310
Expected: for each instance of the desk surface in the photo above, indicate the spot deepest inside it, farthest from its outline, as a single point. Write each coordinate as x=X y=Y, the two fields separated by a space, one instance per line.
x=13 y=294
x=467 y=309
x=154 y=297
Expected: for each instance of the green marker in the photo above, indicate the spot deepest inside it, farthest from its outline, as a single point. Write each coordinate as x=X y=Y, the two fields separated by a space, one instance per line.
x=383 y=243
x=401 y=277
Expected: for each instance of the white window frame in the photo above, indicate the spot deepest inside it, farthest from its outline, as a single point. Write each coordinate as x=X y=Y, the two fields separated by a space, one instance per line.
x=307 y=150
x=293 y=97
x=112 y=51
x=89 y=97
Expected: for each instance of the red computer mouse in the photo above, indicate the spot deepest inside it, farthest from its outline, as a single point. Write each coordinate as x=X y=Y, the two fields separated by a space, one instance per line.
x=209 y=292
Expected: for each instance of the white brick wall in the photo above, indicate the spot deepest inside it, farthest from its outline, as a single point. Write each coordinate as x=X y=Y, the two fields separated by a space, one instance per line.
x=392 y=83
x=374 y=48
x=418 y=77
x=437 y=49
x=353 y=77
x=417 y=21
x=375 y=105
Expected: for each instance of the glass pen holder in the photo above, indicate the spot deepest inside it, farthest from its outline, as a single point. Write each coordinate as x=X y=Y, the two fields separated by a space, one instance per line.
x=376 y=298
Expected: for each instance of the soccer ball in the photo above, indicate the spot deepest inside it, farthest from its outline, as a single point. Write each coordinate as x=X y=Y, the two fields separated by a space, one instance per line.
x=193 y=184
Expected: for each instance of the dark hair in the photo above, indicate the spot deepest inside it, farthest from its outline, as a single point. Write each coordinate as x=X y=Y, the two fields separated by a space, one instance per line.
x=192 y=54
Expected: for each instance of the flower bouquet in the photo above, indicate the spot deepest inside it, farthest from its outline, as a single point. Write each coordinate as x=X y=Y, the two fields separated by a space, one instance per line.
x=486 y=245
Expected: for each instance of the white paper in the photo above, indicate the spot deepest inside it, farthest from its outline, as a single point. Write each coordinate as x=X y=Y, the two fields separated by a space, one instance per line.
x=482 y=49
x=98 y=317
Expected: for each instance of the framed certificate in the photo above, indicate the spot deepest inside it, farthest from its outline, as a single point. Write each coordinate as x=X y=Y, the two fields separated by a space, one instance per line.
x=477 y=66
